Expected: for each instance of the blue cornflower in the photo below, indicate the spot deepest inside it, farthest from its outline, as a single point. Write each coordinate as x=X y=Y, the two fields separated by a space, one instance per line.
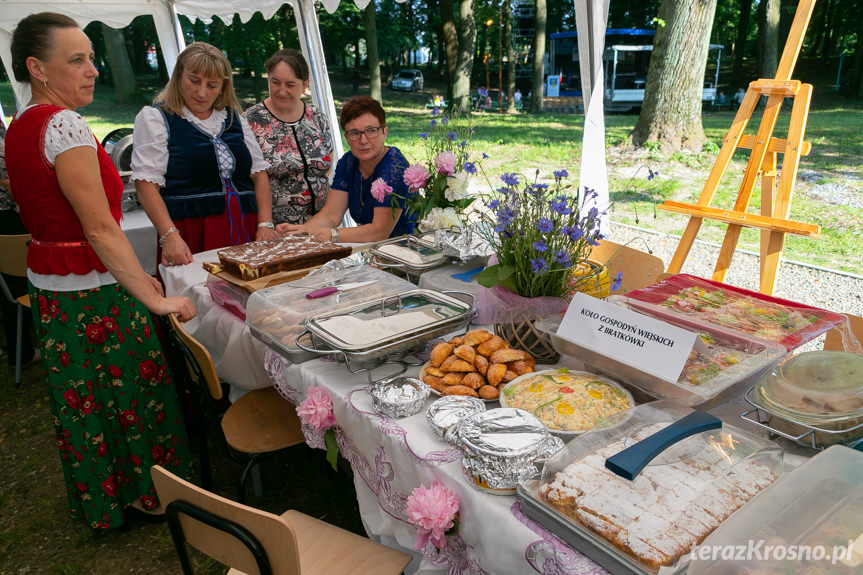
x=575 y=233
x=540 y=246
x=493 y=204
x=433 y=123
x=560 y=205
x=618 y=279
x=509 y=179
x=544 y=225
x=484 y=156
x=593 y=213
x=435 y=111
x=562 y=258
x=539 y=266
x=558 y=174
x=469 y=167
x=451 y=136
x=424 y=135
x=651 y=174
x=482 y=92
x=506 y=234
x=462 y=144
x=444 y=120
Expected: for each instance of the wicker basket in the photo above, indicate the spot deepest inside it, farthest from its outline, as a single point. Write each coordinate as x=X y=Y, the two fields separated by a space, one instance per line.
x=523 y=335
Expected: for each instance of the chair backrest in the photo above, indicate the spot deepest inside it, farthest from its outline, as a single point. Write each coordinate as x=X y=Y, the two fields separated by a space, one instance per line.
x=273 y=534
x=639 y=268
x=198 y=359
x=852 y=329
x=13 y=254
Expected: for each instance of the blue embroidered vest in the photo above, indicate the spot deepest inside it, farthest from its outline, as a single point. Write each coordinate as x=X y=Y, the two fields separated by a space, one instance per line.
x=194 y=187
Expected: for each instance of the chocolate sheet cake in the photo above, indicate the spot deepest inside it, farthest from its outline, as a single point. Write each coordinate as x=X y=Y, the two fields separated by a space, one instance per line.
x=258 y=259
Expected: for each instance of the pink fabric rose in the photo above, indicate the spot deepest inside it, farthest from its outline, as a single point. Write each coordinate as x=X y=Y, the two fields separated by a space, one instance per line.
x=445 y=163
x=316 y=410
x=380 y=189
x=416 y=176
x=432 y=510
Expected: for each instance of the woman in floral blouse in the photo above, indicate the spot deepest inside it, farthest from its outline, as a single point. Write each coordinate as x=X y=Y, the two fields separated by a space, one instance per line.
x=295 y=140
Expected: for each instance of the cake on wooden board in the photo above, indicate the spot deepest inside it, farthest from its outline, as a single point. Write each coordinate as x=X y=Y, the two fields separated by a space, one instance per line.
x=258 y=259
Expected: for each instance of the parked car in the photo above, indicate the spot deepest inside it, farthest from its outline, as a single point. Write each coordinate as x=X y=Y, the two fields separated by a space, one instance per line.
x=410 y=80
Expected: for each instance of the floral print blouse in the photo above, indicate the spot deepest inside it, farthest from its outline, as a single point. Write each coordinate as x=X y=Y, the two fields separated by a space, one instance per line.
x=300 y=154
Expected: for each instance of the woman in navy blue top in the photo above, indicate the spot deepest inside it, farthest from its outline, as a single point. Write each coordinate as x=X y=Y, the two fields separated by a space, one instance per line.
x=369 y=181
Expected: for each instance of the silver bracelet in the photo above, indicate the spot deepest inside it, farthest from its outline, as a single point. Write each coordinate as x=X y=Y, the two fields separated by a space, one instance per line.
x=164 y=236
x=269 y=225
x=334 y=235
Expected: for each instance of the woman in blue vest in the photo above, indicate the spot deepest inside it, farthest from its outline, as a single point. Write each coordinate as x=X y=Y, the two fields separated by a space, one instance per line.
x=197 y=166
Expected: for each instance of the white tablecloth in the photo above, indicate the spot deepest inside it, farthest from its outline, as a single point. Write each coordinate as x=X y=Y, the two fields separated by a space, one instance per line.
x=142 y=235
x=239 y=357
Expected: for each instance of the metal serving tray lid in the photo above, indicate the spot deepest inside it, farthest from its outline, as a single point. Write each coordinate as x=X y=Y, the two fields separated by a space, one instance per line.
x=396 y=318
x=410 y=252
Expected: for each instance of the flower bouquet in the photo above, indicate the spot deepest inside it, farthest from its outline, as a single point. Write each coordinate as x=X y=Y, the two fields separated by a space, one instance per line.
x=438 y=185
x=541 y=236
x=316 y=413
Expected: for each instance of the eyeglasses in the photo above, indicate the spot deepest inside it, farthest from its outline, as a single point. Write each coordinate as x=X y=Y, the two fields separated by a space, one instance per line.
x=371 y=133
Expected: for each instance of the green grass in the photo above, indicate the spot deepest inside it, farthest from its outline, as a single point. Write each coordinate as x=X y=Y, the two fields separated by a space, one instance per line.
x=524 y=143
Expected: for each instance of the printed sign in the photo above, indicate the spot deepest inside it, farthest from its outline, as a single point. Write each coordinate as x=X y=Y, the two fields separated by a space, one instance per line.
x=642 y=342
x=552 y=86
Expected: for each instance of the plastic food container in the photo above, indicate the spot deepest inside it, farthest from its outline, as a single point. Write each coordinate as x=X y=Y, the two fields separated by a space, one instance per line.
x=231 y=297
x=640 y=525
x=567 y=402
x=735 y=361
x=757 y=315
x=399 y=397
x=275 y=315
x=809 y=518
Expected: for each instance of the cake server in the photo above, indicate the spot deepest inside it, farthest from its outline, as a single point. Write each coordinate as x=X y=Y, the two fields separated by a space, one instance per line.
x=323 y=292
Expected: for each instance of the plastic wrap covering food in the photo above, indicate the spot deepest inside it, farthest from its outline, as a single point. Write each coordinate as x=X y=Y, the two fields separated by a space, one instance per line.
x=231 y=297
x=722 y=366
x=276 y=314
x=676 y=500
x=807 y=523
x=788 y=323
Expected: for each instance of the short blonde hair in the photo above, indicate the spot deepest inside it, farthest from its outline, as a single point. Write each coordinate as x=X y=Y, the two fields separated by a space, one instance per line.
x=206 y=60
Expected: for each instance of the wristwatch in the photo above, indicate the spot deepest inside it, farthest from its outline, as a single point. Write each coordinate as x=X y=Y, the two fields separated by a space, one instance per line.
x=269 y=225
x=334 y=235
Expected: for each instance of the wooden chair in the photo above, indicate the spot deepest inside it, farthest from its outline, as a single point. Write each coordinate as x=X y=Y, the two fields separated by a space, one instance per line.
x=256 y=426
x=834 y=340
x=639 y=268
x=13 y=262
x=253 y=541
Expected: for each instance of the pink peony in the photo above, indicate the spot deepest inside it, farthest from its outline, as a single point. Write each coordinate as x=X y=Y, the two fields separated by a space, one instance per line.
x=432 y=510
x=380 y=189
x=316 y=409
x=416 y=177
x=445 y=163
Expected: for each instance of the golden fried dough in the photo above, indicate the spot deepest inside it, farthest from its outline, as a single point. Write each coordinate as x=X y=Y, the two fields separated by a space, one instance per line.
x=435 y=383
x=495 y=373
x=481 y=364
x=507 y=355
x=488 y=392
x=457 y=341
x=490 y=346
x=473 y=380
x=465 y=352
x=459 y=390
x=444 y=367
x=453 y=378
x=440 y=352
x=509 y=376
x=460 y=365
x=476 y=337
x=520 y=367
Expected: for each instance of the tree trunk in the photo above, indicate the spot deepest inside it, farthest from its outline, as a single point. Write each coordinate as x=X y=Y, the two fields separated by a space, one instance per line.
x=671 y=112
x=118 y=60
x=770 y=38
x=510 y=57
x=372 y=53
x=538 y=81
x=450 y=39
x=466 y=46
x=737 y=79
x=857 y=77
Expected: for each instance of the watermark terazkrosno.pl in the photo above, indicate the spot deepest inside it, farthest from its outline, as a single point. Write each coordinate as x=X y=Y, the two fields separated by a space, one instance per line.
x=761 y=550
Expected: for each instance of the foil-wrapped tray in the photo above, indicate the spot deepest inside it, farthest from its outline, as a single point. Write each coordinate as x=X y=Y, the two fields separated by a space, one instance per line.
x=399 y=397
x=448 y=411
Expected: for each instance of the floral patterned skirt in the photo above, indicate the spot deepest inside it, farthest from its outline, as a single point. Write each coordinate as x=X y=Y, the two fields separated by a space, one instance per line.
x=115 y=410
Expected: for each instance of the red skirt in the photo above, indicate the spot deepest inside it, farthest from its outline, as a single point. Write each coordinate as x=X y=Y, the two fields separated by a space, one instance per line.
x=230 y=228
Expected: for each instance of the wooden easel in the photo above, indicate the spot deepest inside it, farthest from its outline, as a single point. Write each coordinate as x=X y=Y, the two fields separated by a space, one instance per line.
x=775 y=204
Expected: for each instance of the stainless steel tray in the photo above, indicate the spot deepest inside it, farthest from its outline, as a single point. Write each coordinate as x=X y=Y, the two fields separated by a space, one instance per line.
x=598 y=550
x=427 y=256
x=443 y=314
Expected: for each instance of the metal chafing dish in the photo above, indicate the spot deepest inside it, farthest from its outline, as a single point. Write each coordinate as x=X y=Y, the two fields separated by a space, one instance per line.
x=411 y=254
x=369 y=334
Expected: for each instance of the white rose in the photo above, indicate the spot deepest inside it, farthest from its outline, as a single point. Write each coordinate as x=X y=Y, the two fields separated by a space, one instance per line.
x=439 y=218
x=456 y=186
